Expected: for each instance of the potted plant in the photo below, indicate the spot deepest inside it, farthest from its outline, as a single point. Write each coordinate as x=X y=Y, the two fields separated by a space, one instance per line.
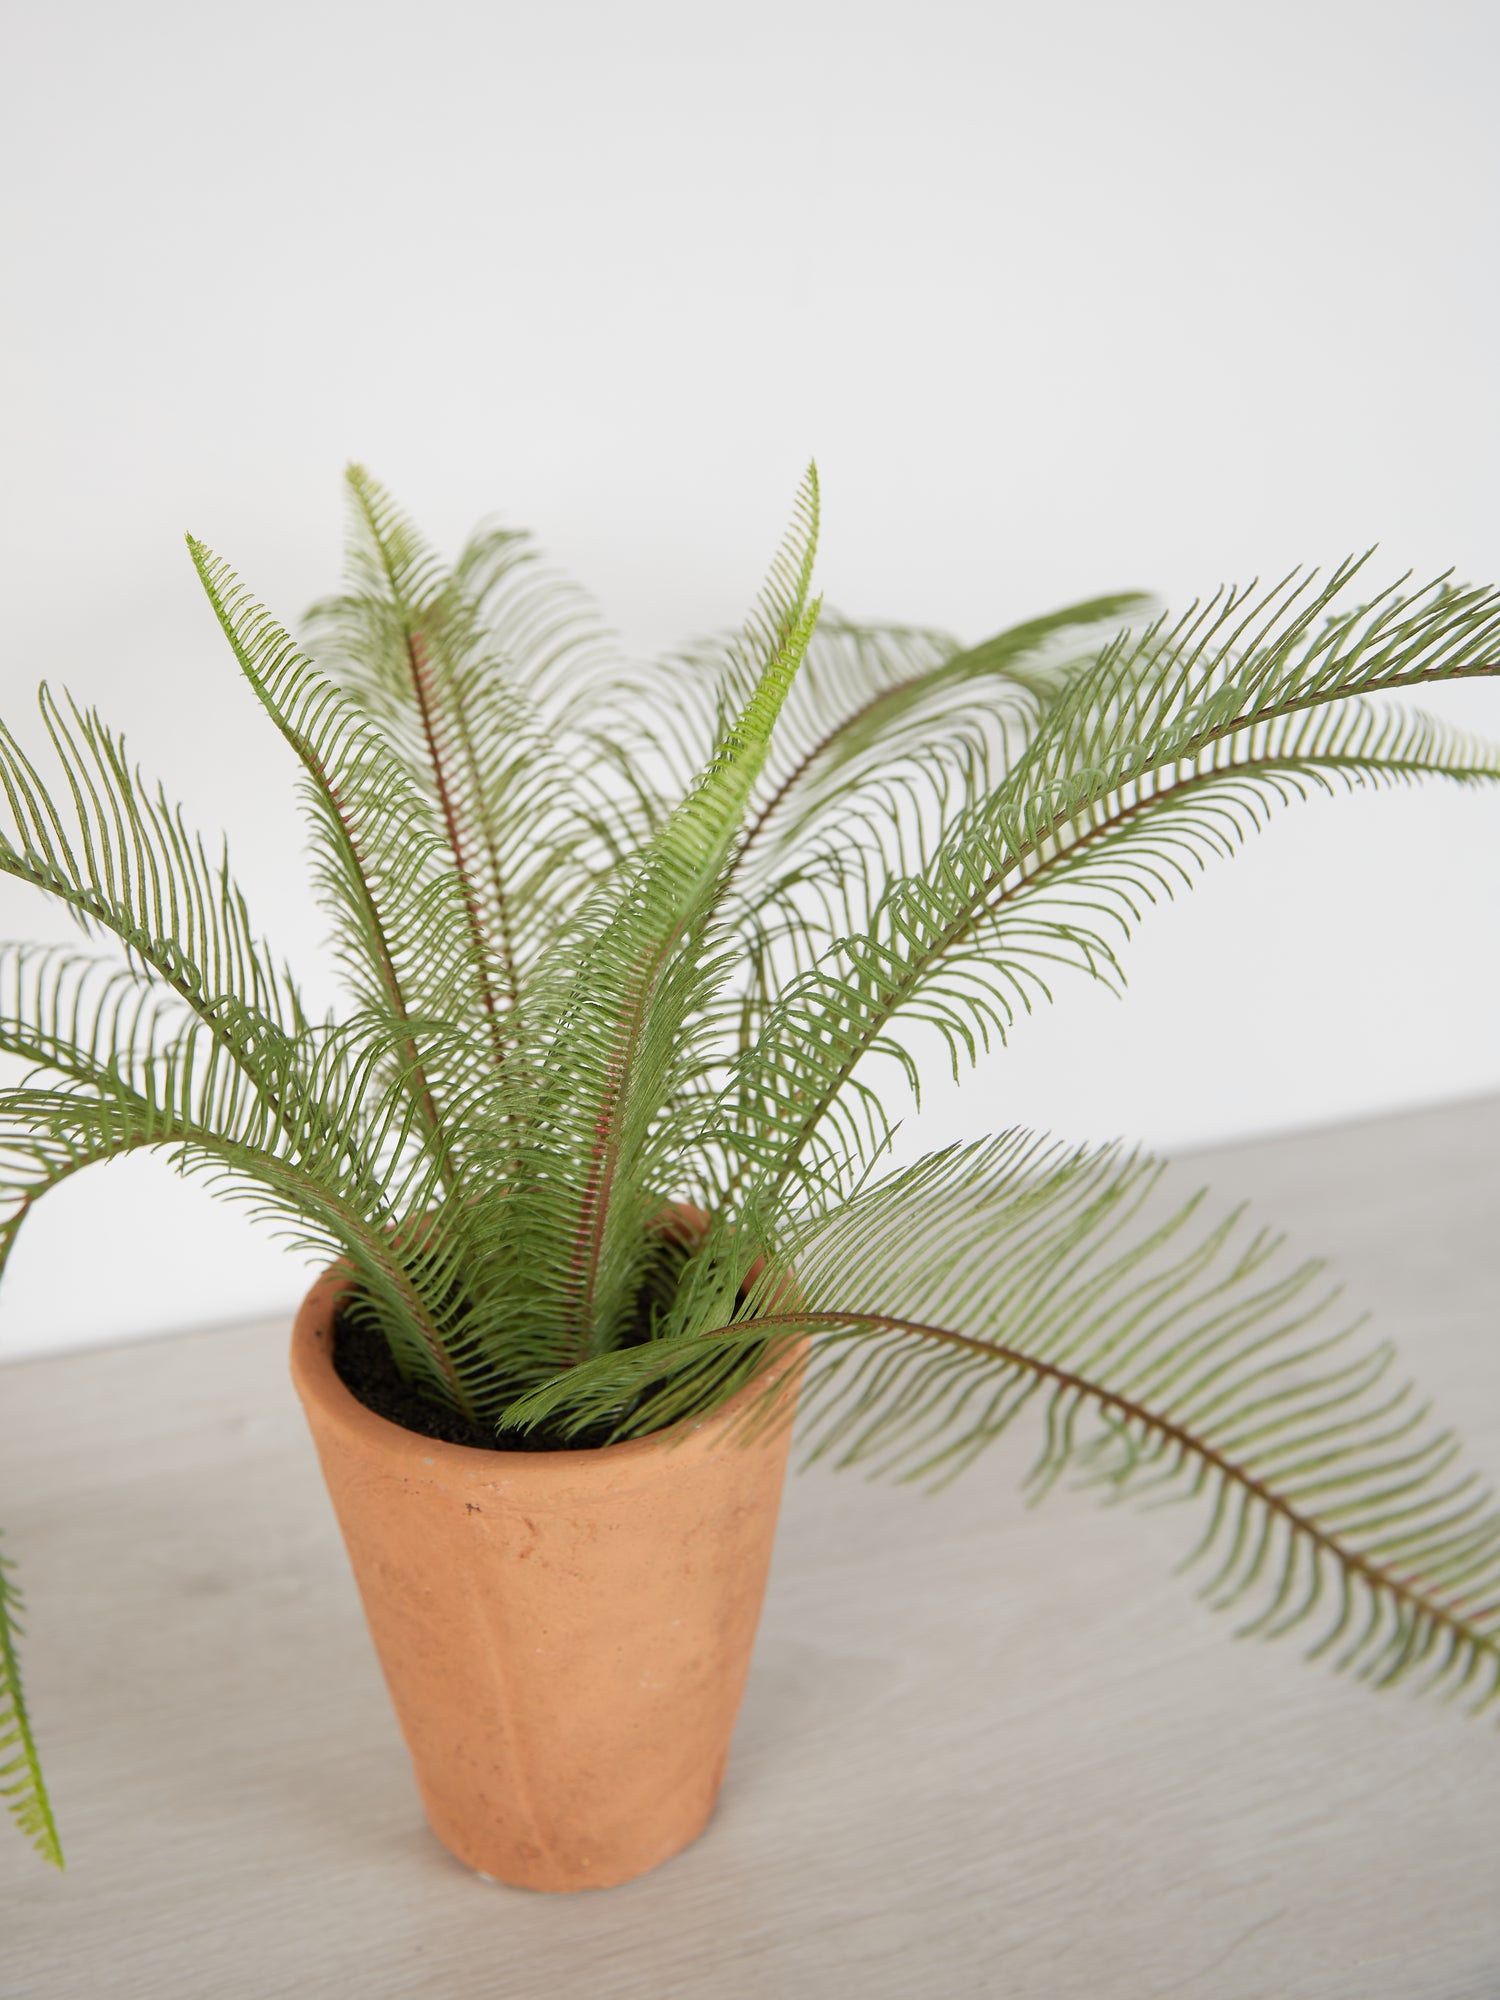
x=598 y=1154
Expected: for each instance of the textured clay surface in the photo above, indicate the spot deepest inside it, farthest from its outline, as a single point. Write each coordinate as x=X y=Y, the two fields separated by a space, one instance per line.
x=566 y=1635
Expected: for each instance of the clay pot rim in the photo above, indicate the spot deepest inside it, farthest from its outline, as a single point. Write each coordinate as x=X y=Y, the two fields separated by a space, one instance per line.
x=318 y=1381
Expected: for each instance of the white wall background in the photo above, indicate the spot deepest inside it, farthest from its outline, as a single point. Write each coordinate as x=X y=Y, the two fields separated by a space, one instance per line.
x=1063 y=298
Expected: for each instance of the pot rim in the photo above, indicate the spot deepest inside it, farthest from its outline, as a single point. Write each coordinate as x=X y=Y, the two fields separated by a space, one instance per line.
x=317 y=1381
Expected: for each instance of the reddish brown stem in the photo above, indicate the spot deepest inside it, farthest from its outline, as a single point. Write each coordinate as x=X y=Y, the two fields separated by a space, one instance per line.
x=588 y=1245
x=992 y=891
x=1349 y=1559
x=447 y=805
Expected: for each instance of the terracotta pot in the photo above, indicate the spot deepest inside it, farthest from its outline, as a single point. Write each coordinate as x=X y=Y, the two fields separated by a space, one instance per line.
x=566 y=1634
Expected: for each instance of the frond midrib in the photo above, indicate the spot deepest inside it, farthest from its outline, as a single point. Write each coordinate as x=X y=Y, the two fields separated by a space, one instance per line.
x=1348 y=1559
x=993 y=889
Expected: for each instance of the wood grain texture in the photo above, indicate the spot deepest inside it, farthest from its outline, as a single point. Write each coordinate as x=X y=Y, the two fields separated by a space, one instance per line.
x=985 y=1751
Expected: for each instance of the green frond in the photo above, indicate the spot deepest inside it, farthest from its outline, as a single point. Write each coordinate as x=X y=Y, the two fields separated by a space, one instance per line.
x=585 y=1186
x=432 y=699
x=21 y=1786
x=629 y=744
x=875 y=698
x=403 y=930
x=891 y=735
x=31 y=1163
x=1104 y=814
x=325 y=1199
x=126 y=867
x=526 y=842
x=1154 y=1356
x=546 y=631
x=124 y=863
x=779 y=609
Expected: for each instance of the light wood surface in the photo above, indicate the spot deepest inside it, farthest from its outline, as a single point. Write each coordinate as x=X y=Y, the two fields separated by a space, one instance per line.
x=985 y=1751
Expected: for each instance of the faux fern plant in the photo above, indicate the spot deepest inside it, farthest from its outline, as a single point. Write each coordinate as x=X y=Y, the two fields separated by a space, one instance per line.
x=617 y=938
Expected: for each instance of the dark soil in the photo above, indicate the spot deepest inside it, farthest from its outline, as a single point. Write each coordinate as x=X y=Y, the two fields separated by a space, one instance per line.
x=363 y=1363
x=367 y=1369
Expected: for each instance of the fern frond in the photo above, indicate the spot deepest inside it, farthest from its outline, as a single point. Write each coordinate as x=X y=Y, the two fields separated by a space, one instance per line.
x=403 y=929
x=413 y=649
x=890 y=737
x=1103 y=815
x=545 y=629
x=578 y=1226
x=876 y=698
x=408 y=581
x=1156 y=1358
x=129 y=868
x=327 y=1197
x=632 y=737
x=21 y=1785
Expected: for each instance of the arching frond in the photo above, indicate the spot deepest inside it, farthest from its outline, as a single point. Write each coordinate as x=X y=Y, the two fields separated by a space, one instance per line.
x=892 y=735
x=321 y=1192
x=415 y=651
x=1154 y=1357
x=21 y=1786
x=1050 y=867
x=126 y=866
x=403 y=929
x=631 y=741
x=875 y=698
x=547 y=631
